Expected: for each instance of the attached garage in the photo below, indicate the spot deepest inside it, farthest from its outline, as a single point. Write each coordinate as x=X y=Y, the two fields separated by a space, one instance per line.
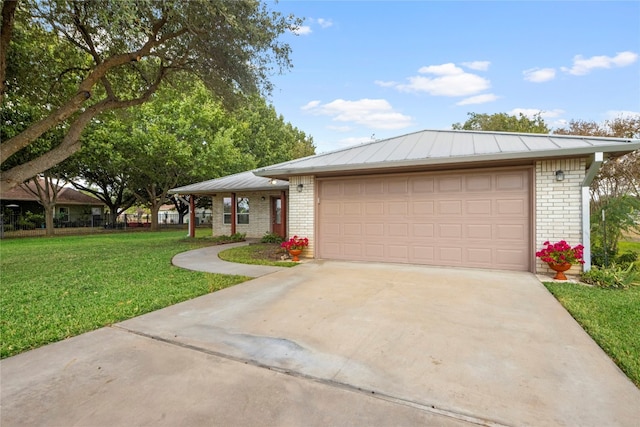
x=479 y=218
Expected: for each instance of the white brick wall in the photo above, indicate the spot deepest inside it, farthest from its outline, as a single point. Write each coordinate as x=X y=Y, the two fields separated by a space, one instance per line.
x=301 y=212
x=259 y=214
x=559 y=205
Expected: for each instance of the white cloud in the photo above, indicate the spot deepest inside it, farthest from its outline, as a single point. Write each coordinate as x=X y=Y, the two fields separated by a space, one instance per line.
x=302 y=30
x=478 y=99
x=477 y=65
x=532 y=112
x=324 y=23
x=449 y=80
x=386 y=84
x=582 y=66
x=374 y=113
x=539 y=75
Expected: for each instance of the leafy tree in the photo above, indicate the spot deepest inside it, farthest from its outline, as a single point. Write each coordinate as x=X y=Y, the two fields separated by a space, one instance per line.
x=116 y=54
x=100 y=168
x=503 y=122
x=616 y=188
x=266 y=137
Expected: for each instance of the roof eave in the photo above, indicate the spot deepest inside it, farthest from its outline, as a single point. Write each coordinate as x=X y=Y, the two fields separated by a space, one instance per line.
x=462 y=160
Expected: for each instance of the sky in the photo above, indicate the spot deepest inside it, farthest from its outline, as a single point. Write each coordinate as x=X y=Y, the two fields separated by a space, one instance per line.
x=368 y=70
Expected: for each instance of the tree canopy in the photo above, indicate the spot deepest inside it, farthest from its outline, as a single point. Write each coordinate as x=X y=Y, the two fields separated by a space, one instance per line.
x=503 y=122
x=72 y=60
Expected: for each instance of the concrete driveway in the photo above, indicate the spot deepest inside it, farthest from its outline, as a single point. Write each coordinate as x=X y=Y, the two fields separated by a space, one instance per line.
x=333 y=343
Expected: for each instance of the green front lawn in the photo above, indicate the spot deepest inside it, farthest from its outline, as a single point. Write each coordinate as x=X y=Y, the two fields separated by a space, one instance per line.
x=257 y=254
x=611 y=317
x=55 y=288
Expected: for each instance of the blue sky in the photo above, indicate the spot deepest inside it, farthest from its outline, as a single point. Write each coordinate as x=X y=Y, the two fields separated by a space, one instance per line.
x=366 y=70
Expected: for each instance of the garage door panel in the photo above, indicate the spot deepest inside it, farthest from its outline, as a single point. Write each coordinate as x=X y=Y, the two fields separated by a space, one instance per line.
x=374 y=186
x=398 y=186
x=511 y=182
x=479 y=256
x=374 y=229
x=374 y=208
x=450 y=207
x=451 y=184
x=351 y=208
x=479 y=231
x=422 y=208
x=353 y=230
x=511 y=231
x=451 y=255
x=330 y=209
x=458 y=219
x=398 y=231
x=422 y=185
x=423 y=254
x=478 y=183
x=398 y=208
x=422 y=230
x=450 y=231
x=478 y=207
x=517 y=207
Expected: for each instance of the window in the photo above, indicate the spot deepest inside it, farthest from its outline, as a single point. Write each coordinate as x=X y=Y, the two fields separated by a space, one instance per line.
x=63 y=214
x=226 y=210
x=242 y=210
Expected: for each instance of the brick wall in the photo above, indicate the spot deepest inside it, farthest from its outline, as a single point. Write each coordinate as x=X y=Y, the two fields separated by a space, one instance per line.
x=301 y=211
x=559 y=205
x=259 y=214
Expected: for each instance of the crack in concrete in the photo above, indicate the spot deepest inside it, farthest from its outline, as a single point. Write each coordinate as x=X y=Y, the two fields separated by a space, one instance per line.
x=469 y=418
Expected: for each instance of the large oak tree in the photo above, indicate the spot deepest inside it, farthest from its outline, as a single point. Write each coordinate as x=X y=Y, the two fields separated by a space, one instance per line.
x=115 y=54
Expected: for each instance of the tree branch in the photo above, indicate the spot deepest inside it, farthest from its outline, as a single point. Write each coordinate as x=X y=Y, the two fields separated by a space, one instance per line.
x=8 y=18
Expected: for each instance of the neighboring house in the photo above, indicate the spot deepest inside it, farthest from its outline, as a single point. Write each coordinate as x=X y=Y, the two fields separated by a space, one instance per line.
x=445 y=198
x=168 y=214
x=73 y=208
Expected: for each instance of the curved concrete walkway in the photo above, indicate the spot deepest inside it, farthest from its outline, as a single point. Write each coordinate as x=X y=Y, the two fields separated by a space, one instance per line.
x=207 y=260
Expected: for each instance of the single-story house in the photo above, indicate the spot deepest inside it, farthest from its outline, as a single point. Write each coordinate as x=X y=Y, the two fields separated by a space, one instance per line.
x=435 y=197
x=73 y=208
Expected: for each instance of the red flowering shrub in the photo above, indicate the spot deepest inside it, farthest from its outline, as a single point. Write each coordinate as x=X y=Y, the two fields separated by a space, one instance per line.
x=561 y=252
x=295 y=243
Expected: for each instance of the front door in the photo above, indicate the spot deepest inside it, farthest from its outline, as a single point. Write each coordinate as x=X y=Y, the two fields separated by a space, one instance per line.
x=277 y=223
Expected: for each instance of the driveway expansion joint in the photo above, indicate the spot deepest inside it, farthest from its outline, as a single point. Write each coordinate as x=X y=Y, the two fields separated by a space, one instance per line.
x=468 y=418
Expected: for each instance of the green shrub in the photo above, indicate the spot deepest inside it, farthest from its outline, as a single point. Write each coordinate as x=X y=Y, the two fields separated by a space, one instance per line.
x=614 y=277
x=271 y=238
x=238 y=237
x=627 y=258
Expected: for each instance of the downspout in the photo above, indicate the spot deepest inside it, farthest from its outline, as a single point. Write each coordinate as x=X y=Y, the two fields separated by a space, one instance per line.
x=593 y=170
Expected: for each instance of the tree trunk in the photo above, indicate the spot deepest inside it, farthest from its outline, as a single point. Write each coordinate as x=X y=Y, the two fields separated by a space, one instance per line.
x=49 y=214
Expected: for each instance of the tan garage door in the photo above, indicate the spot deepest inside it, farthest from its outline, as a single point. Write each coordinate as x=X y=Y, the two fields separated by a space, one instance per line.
x=470 y=219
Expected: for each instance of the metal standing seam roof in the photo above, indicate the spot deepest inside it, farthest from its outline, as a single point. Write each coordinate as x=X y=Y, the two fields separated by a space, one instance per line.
x=433 y=147
x=244 y=181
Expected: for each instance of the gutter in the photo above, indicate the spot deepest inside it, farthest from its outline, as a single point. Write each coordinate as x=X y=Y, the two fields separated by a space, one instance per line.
x=593 y=170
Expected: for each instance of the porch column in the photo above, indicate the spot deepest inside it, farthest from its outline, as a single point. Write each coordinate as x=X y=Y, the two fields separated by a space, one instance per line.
x=233 y=213
x=192 y=216
x=283 y=212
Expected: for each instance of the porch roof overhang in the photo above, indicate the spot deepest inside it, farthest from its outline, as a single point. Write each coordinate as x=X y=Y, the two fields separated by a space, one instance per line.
x=244 y=181
x=432 y=149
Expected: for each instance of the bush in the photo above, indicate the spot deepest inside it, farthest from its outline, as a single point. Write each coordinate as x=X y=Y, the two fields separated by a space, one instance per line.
x=614 y=277
x=271 y=238
x=238 y=237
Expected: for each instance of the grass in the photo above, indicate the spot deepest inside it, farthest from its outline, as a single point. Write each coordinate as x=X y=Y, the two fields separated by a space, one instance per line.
x=259 y=254
x=55 y=288
x=611 y=317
